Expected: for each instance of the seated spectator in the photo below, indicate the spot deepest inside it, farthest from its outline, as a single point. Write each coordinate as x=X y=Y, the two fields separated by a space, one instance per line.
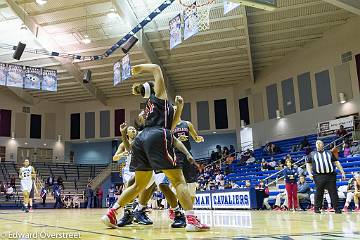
x=278 y=206
x=303 y=189
x=43 y=194
x=275 y=149
x=347 y=151
x=264 y=188
x=234 y=185
x=341 y=132
x=13 y=182
x=76 y=201
x=350 y=194
x=303 y=145
x=355 y=149
x=3 y=188
x=247 y=184
x=213 y=156
x=341 y=193
x=334 y=150
x=9 y=192
x=60 y=182
x=232 y=150
x=50 y=181
x=219 y=177
x=299 y=170
x=272 y=164
x=264 y=165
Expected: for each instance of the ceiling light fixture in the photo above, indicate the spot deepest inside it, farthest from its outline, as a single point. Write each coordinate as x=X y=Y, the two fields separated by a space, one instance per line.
x=41 y=2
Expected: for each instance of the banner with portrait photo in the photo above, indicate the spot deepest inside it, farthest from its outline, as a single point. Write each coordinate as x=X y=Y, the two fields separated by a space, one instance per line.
x=3 y=73
x=126 y=67
x=229 y=6
x=175 y=31
x=49 y=82
x=191 y=22
x=117 y=73
x=15 y=76
x=33 y=78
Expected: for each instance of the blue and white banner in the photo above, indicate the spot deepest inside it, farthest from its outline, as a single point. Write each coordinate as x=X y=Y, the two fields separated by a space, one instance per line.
x=229 y=6
x=236 y=200
x=33 y=78
x=117 y=73
x=3 y=74
x=49 y=80
x=126 y=67
x=191 y=22
x=15 y=76
x=203 y=200
x=175 y=31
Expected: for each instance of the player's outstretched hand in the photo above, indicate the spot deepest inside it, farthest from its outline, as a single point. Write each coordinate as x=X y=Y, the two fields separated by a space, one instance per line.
x=136 y=70
x=179 y=100
x=123 y=128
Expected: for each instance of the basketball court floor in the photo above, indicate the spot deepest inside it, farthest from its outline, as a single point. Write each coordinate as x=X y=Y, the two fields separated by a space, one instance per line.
x=225 y=225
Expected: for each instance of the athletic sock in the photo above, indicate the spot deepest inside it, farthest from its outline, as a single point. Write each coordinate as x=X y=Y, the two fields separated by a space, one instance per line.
x=116 y=206
x=176 y=209
x=129 y=206
x=140 y=207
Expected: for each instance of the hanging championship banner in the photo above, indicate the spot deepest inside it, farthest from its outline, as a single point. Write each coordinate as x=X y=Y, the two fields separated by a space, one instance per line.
x=229 y=6
x=126 y=67
x=49 y=82
x=191 y=22
x=15 y=76
x=33 y=78
x=117 y=73
x=3 y=74
x=175 y=31
x=330 y=127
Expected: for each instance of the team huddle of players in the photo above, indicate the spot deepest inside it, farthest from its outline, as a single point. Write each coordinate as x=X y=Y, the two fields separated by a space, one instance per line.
x=157 y=152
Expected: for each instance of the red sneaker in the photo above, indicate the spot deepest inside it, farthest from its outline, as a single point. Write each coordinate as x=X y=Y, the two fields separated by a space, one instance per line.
x=194 y=224
x=331 y=210
x=357 y=209
x=276 y=209
x=311 y=209
x=31 y=210
x=109 y=219
x=345 y=209
x=171 y=214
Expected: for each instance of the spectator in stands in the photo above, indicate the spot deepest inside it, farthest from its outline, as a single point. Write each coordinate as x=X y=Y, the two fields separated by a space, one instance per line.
x=299 y=170
x=232 y=150
x=265 y=189
x=350 y=194
x=247 y=184
x=213 y=156
x=272 y=149
x=60 y=182
x=291 y=178
x=341 y=132
x=225 y=152
x=57 y=196
x=357 y=192
x=3 y=187
x=9 y=192
x=355 y=149
x=279 y=197
x=219 y=177
x=272 y=164
x=234 y=185
x=347 y=150
x=89 y=194
x=264 y=165
x=76 y=201
x=334 y=150
x=111 y=196
x=99 y=197
x=43 y=194
x=340 y=193
x=75 y=184
x=302 y=146
x=13 y=182
x=303 y=192
x=218 y=152
x=50 y=181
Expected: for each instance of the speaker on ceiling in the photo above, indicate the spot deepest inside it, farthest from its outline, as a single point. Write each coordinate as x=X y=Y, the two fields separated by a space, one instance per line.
x=129 y=44
x=87 y=76
x=19 y=50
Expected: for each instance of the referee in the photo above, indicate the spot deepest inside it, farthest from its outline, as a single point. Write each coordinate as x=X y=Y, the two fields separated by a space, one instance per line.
x=320 y=166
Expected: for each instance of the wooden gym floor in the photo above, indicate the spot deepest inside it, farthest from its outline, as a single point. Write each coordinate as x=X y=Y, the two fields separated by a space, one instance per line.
x=225 y=225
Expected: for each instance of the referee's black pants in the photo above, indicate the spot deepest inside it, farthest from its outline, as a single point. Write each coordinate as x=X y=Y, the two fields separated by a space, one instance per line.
x=322 y=182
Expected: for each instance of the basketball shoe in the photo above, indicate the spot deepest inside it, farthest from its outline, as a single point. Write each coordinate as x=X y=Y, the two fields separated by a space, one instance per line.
x=109 y=219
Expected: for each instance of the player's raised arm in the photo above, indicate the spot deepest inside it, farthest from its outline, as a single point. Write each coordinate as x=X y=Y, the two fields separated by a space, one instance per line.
x=179 y=105
x=123 y=130
x=120 y=152
x=194 y=134
x=159 y=87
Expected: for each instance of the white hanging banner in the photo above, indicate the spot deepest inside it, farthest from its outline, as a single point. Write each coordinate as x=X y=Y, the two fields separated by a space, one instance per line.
x=229 y=6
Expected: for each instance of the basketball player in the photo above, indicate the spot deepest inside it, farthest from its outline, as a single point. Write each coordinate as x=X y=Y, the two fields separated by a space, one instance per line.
x=27 y=174
x=182 y=131
x=153 y=148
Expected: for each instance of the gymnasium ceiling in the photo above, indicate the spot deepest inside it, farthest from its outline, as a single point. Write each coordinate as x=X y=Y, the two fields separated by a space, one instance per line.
x=235 y=49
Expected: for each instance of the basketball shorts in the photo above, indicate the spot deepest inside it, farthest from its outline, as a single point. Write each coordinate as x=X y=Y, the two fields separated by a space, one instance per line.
x=126 y=175
x=153 y=150
x=189 y=170
x=26 y=185
x=158 y=178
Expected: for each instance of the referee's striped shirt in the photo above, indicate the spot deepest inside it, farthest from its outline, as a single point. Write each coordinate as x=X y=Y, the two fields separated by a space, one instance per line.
x=322 y=162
